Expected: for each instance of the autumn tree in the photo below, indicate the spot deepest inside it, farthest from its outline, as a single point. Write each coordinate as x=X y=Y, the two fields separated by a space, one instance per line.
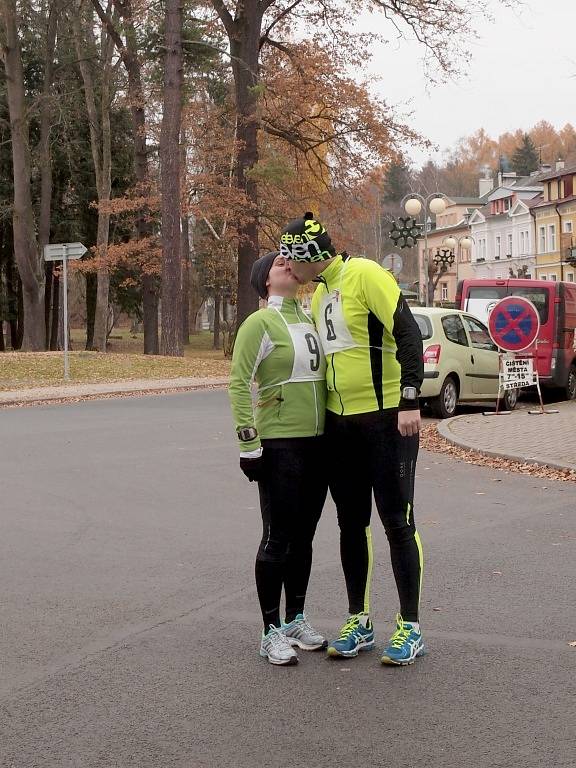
x=130 y=50
x=253 y=25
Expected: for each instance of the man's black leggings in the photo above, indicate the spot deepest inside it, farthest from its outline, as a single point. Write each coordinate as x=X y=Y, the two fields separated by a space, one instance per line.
x=367 y=454
x=292 y=495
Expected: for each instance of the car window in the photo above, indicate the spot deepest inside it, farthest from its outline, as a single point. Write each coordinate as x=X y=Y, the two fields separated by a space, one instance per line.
x=425 y=326
x=479 y=335
x=454 y=329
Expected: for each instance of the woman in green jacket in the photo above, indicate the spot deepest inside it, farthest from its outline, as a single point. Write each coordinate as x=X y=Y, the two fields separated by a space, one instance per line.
x=280 y=439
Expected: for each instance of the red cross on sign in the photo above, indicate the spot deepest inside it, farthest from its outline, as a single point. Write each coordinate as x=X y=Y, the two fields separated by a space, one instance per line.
x=514 y=324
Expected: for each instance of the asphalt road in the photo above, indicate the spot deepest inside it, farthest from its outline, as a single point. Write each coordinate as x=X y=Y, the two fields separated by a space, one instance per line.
x=129 y=622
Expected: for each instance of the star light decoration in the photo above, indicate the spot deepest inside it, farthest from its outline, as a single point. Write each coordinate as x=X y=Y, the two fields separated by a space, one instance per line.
x=405 y=232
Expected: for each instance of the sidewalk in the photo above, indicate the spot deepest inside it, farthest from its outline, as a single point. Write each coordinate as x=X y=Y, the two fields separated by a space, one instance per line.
x=92 y=391
x=548 y=439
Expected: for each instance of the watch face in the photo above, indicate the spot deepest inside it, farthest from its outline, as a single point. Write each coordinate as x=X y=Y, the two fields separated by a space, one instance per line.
x=410 y=393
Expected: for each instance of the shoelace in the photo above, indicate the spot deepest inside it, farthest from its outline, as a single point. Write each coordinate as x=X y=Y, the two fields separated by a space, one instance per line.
x=348 y=628
x=278 y=639
x=305 y=625
x=399 y=637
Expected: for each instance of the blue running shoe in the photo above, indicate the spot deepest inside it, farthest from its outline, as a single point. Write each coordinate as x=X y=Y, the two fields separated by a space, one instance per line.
x=354 y=637
x=405 y=644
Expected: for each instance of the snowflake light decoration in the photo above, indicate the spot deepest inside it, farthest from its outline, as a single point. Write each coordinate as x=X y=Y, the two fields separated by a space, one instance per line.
x=405 y=232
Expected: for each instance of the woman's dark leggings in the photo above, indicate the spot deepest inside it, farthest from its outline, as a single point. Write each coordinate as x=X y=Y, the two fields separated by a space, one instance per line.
x=367 y=454
x=292 y=495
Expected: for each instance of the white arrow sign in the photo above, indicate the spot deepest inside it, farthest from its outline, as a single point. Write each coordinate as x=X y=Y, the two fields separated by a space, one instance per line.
x=68 y=250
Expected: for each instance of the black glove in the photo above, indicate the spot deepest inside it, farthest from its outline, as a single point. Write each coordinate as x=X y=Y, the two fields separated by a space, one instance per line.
x=252 y=468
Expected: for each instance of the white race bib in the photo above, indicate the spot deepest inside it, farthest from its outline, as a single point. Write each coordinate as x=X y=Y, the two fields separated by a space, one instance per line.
x=309 y=361
x=334 y=333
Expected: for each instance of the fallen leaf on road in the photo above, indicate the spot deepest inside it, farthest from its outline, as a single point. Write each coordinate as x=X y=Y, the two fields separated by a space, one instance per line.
x=572 y=644
x=436 y=609
x=480 y=493
x=497 y=573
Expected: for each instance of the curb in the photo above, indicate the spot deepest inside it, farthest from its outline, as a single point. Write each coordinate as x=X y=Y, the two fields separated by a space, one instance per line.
x=444 y=431
x=62 y=398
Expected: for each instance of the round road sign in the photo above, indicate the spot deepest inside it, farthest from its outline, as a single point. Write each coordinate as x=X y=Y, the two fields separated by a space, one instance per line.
x=514 y=324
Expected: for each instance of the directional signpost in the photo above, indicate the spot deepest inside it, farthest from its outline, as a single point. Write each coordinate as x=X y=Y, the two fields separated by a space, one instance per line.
x=514 y=325
x=62 y=252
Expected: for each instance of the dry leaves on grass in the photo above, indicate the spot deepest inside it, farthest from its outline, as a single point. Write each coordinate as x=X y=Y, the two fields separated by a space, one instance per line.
x=19 y=370
x=431 y=440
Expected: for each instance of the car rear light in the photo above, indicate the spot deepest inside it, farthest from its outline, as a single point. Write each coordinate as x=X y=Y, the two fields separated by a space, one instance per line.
x=432 y=354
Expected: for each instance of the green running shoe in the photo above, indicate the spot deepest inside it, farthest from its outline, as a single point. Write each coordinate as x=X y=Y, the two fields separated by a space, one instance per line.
x=405 y=644
x=354 y=637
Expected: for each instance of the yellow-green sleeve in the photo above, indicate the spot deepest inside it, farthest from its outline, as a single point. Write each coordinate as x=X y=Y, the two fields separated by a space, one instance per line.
x=249 y=346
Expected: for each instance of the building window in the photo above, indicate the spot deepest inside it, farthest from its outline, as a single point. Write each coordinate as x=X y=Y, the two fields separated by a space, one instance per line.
x=542 y=240
x=552 y=237
x=498 y=248
x=522 y=246
x=527 y=241
x=554 y=277
x=568 y=227
x=444 y=287
x=570 y=277
x=509 y=251
x=543 y=277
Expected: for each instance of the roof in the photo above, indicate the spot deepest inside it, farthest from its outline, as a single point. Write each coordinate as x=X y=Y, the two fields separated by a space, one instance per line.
x=557 y=174
x=553 y=203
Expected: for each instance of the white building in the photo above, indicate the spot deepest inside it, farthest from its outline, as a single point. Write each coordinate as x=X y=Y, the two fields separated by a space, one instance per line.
x=503 y=230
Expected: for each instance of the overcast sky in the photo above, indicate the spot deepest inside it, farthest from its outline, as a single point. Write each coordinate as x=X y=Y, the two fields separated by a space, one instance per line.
x=523 y=70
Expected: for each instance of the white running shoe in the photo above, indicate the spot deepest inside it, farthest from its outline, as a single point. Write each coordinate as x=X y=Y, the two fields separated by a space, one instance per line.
x=300 y=633
x=276 y=648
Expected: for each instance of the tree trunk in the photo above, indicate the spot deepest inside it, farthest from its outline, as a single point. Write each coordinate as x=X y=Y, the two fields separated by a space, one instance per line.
x=55 y=320
x=150 y=314
x=100 y=141
x=185 y=255
x=90 y=308
x=45 y=158
x=244 y=31
x=26 y=252
x=171 y=341
x=245 y=66
x=217 y=305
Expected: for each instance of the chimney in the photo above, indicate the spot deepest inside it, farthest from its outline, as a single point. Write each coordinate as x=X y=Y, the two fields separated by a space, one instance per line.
x=545 y=168
x=559 y=164
x=486 y=184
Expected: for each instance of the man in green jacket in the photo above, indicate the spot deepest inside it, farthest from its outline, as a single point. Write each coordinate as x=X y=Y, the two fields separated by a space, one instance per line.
x=373 y=351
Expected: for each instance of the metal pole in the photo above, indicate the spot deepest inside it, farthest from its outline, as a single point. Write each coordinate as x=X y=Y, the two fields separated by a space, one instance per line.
x=65 y=266
x=425 y=259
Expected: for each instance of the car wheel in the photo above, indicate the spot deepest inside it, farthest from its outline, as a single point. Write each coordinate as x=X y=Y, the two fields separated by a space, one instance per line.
x=444 y=406
x=571 y=384
x=508 y=402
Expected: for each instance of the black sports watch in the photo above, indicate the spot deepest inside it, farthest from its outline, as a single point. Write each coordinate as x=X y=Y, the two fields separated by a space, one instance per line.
x=410 y=393
x=246 y=434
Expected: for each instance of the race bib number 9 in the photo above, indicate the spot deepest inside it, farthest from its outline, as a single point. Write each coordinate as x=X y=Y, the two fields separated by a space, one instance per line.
x=309 y=361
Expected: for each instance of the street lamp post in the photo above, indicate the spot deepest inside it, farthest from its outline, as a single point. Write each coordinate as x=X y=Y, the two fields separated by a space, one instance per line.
x=413 y=204
x=464 y=242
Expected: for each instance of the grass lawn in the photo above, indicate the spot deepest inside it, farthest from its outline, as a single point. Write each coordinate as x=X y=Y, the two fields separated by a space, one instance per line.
x=123 y=361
